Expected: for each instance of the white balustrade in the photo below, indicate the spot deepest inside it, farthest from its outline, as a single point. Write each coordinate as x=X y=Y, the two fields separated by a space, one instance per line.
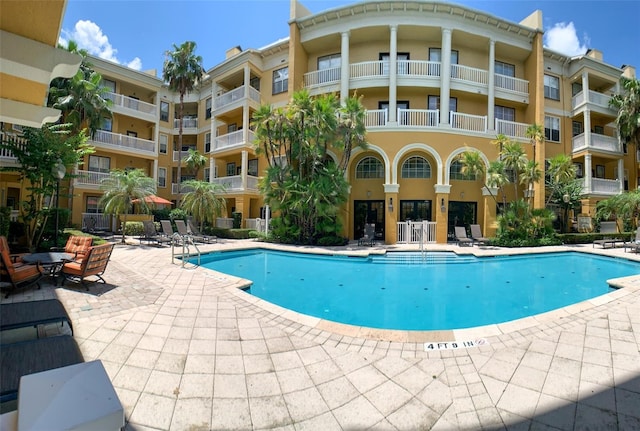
x=473 y=123
x=511 y=84
x=469 y=74
x=418 y=117
x=413 y=232
x=123 y=141
x=233 y=139
x=376 y=117
x=320 y=77
x=91 y=178
x=511 y=128
x=369 y=69
x=418 y=68
x=120 y=100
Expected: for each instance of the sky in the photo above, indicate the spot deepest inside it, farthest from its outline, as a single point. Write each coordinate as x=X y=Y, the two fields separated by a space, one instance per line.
x=137 y=33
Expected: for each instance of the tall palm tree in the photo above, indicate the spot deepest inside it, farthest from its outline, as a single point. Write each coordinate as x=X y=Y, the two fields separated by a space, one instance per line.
x=500 y=142
x=474 y=167
x=203 y=201
x=530 y=174
x=535 y=132
x=628 y=106
x=194 y=161
x=182 y=70
x=121 y=189
x=561 y=171
x=515 y=160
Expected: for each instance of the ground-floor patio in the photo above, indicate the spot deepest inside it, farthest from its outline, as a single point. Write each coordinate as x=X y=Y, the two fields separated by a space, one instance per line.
x=185 y=350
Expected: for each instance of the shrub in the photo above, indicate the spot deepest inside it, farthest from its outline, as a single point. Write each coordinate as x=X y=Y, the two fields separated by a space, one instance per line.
x=332 y=241
x=134 y=228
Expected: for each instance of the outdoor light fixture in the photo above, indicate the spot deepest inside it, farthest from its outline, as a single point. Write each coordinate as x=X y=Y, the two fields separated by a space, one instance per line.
x=58 y=170
x=442 y=207
x=566 y=198
x=390 y=205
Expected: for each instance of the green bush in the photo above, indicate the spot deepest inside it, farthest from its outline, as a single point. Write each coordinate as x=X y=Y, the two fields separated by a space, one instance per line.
x=134 y=228
x=588 y=238
x=178 y=214
x=332 y=241
x=237 y=220
x=5 y=221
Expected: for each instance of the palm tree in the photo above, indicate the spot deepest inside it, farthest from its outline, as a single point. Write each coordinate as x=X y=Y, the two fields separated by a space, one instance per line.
x=121 y=189
x=194 y=161
x=473 y=166
x=561 y=171
x=535 y=133
x=182 y=70
x=530 y=174
x=203 y=201
x=628 y=106
x=500 y=142
x=515 y=160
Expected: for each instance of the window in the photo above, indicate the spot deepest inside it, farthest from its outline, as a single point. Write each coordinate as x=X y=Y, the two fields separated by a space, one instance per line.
x=252 y=167
x=551 y=87
x=435 y=54
x=92 y=205
x=255 y=82
x=416 y=167
x=164 y=111
x=280 y=80
x=107 y=124
x=576 y=128
x=99 y=164
x=552 y=129
x=505 y=69
x=400 y=104
x=369 y=167
x=598 y=130
x=164 y=142
x=455 y=173
x=579 y=170
x=231 y=169
x=433 y=103
x=403 y=68
x=505 y=113
x=232 y=128
x=205 y=173
x=329 y=68
x=162 y=177
x=207 y=106
x=207 y=142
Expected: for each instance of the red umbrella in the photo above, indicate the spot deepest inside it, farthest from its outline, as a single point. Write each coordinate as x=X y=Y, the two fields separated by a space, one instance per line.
x=153 y=199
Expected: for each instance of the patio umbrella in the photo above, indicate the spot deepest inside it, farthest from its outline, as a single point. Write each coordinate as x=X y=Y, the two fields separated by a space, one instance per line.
x=153 y=199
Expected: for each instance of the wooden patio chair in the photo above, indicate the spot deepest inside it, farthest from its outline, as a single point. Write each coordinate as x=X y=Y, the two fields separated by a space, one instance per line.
x=17 y=273
x=93 y=265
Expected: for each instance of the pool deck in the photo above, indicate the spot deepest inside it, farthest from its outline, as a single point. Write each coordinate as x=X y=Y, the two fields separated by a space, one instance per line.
x=187 y=350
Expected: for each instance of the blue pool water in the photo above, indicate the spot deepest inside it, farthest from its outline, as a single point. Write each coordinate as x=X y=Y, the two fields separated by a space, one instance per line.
x=421 y=292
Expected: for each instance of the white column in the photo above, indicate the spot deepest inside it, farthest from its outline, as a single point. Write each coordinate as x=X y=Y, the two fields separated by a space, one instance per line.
x=393 y=72
x=621 y=175
x=585 y=86
x=491 y=101
x=247 y=79
x=587 y=128
x=344 y=67
x=587 y=173
x=212 y=169
x=155 y=171
x=445 y=77
x=244 y=165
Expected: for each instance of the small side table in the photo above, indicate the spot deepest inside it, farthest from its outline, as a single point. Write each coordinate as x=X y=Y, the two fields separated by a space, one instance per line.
x=53 y=260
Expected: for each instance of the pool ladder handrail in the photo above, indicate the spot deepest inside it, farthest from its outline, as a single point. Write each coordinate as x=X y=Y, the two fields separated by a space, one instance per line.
x=186 y=241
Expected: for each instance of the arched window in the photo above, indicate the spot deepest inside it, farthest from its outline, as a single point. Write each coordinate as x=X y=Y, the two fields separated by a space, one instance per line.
x=455 y=173
x=416 y=167
x=369 y=167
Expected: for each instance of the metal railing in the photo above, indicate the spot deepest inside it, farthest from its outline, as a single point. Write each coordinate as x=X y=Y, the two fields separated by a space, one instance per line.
x=233 y=139
x=6 y=137
x=603 y=186
x=234 y=95
x=369 y=69
x=224 y=222
x=598 y=142
x=418 y=68
x=187 y=123
x=97 y=221
x=416 y=232
x=376 y=117
x=118 y=140
x=90 y=178
x=595 y=97
x=234 y=183
x=131 y=103
x=473 y=123
x=418 y=117
x=509 y=83
x=511 y=128
x=321 y=77
x=469 y=74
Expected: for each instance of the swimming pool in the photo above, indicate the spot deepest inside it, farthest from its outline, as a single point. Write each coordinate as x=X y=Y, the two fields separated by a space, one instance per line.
x=411 y=291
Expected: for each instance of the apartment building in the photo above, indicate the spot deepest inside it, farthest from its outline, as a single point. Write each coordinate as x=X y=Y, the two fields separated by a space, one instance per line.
x=437 y=79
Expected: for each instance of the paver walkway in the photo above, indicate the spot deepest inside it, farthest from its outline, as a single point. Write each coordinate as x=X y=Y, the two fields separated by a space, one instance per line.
x=186 y=351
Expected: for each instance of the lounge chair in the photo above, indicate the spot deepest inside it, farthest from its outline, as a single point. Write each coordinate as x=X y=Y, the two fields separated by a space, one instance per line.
x=17 y=273
x=34 y=356
x=77 y=246
x=369 y=236
x=608 y=227
x=461 y=236
x=634 y=245
x=150 y=235
x=476 y=234
x=94 y=264
x=184 y=232
x=193 y=228
x=27 y=314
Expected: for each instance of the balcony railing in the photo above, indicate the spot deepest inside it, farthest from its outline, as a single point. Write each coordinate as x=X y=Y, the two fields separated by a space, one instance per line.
x=376 y=117
x=232 y=139
x=595 y=98
x=90 y=178
x=598 y=142
x=469 y=74
x=511 y=128
x=472 y=123
x=510 y=83
x=603 y=186
x=414 y=232
x=321 y=77
x=418 y=68
x=117 y=140
x=234 y=183
x=176 y=154
x=7 y=154
x=130 y=103
x=368 y=69
x=234 y=95
x=418 y=117
x=187 y=123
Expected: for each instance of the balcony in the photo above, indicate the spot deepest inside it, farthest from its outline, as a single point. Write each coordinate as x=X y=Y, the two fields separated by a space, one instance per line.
x=234 y=183
x=598 y=142
x=601 y=186
x=89 y=179
x=326 y=76
x=132 y=107
x=468 y=122
x=230 y=98
x=233 y=140
x=418 y=117
x=511 y=84
x=597 y=101
x=427 y=118
x=189 y=126
x=376 y=118
x=185 y=152
x=511 y=129
x=116 y=141
x=6 y=156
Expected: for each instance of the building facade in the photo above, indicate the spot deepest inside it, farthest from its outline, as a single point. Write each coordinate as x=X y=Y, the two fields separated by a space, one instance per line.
x=436 y=79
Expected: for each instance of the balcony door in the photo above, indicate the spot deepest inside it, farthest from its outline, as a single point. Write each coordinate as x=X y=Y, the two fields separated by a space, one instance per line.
x=371 y=211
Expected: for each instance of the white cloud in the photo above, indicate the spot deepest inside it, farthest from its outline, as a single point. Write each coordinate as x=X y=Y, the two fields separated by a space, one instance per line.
x=562 y=38
x=88 y=35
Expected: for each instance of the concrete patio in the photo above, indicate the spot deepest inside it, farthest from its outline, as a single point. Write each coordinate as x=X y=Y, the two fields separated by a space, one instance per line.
x=186 y=350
